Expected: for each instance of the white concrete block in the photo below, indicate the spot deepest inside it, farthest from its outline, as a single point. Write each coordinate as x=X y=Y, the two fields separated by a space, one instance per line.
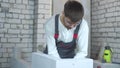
x=40 y=60
x=98 y=64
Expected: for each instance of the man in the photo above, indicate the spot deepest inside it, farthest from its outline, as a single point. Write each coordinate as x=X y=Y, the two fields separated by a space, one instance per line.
x=67 y=33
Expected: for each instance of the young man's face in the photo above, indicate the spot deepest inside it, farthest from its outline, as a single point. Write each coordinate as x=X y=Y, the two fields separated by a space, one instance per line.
x=69 y=24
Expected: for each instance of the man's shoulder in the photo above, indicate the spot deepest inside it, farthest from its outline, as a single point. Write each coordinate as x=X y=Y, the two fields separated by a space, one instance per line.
x=50 y=21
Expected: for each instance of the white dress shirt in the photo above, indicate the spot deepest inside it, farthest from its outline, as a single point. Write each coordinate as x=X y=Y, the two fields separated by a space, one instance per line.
x=66 y=35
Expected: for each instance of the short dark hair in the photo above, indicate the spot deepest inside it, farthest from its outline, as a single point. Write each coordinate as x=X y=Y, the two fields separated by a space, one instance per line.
x=73 y=10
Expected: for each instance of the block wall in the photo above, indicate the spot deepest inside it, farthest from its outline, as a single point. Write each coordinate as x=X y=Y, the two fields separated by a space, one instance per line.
x=105 y=27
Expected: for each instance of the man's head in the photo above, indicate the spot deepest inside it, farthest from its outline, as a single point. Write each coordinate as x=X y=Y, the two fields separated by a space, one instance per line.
x=73 y=13
x=73 y=10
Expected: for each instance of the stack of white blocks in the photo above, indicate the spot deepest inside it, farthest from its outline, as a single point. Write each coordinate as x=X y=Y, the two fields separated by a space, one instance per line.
x=40 y=60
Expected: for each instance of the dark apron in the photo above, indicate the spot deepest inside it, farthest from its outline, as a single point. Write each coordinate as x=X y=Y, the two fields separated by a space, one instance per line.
x=65 y=50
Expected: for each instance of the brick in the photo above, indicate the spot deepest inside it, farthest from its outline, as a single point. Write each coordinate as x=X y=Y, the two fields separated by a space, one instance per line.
x=27 y=22
x=5 y=65
x=109 y=5
x=41 y=6
x=109 y=29
x=28 y=17
x=5 y=0
x=27 y=50
x=30 y=7
x=25 y=2
x=40 y=16
x=117 y=18
x=15 y=15
x=19 y=1
x=10 y=35
x=14 y=21
x=22 y=45
x=103 y=20
x=115 y=55
x=116 y=14
x=102 y=11
x=5 y=4
x=21 y=16
x=9 y=15
x=40 y=40
x=1 y=25
x=17 y=26
x=102 y=2
x=112 y=34
x=109 y=14
x=47 y=16
x=26 y=26
x=41 y=31
x=12 y=1
x=41 y=21
x=40 y=26
x=3 y=39
x=113 y=19
x=9 y=50
x=44 y=11
x=117 y=60
x=6 y=25
x=1 y=35
x=27 y=11
x=24 y=36
x=110 y=25
x=111 y=1
x=101 y=7
x=3 y=59
x=2 y=50
x=0 y=54
x=2 y=14
x=26 y=32
x=19 y=6
x=114 y=45
x=3 y=30
x=4 y=9
x=13 y=40
x=14 y=10
x=26 y=40
x=0 y=10
x=118 y=34
x=44 y=2
x=2 y=20
x=31 y=2
x=5 y=55
x=13 y=31
x=117 y=29
x=112 y=9
x=4 y=45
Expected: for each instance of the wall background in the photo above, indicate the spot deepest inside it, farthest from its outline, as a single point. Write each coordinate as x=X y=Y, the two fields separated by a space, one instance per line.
x=105 y=27
x=22 y=25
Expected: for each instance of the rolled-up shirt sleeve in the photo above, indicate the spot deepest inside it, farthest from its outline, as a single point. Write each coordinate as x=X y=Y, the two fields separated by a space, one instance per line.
x=82 y=42
x=50 y=41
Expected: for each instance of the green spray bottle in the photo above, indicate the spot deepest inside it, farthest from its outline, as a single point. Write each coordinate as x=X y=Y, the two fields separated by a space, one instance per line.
x=107 y=57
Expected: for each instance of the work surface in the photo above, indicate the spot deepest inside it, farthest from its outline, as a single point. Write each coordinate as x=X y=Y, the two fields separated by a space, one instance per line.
x=40 y=60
